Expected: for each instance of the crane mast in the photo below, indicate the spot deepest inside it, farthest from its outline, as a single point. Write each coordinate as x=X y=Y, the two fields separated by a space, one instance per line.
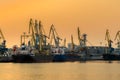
x=64 y=42
x=84 y=39
x=31 y=30
x=42 y=34
x=42 y=37
x=79 y=36
x=72 y=46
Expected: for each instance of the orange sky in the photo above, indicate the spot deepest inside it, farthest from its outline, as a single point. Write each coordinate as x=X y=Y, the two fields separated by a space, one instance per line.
x=92 y=16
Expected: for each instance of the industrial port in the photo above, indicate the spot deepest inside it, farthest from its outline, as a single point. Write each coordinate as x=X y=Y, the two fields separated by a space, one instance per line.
x=36 y=46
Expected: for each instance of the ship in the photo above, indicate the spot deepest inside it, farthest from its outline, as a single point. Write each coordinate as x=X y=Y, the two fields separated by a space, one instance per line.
x=112 y=55
x=24 y=54
x=4 y=54
x=4 y=51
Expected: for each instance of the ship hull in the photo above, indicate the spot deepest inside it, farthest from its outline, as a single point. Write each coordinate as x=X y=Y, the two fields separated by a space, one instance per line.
x=22 y=58
x=5 y=59
x=43 y=58
x=27 y=58
x=111 y=57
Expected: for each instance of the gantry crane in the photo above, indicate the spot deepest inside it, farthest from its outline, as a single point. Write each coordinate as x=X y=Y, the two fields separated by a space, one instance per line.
x=107 y=37
x=54 y=35
x=23 y=37
x=117 y=37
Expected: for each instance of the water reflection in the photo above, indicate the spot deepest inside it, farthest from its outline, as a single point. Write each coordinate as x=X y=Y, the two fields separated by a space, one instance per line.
x=91 y=70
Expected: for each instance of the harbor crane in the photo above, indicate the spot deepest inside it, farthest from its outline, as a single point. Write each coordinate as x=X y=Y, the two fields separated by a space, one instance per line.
x=3 y=48
x=32 y=32
x=107 y=37
x=117 y=37
x=79 y=36
x=82 y=39
x=42 y=37
x=54 y=35
x=43 y=34
x=2 y=39
x=1 y=35
x=38 y=34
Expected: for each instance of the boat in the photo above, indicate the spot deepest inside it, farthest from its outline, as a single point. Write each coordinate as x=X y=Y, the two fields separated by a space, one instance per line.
x=111 y=56
x=5 y=56
x=21 y=54
x=59 y=54
x=115 y=55
x=4 y=53
x=26 y=54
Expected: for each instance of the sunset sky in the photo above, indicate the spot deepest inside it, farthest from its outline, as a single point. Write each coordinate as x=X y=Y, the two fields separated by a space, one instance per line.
x=92 y=16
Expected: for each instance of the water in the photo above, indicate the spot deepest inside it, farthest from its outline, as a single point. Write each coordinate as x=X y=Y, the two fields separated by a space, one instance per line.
x=60 y=71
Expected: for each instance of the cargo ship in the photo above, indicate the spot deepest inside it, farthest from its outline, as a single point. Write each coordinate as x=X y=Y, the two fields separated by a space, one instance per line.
x=4 y=51
x=25 y=55
x=114 y=55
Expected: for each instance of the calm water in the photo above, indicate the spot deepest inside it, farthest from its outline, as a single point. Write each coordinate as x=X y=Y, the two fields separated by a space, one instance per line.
x=60 y=71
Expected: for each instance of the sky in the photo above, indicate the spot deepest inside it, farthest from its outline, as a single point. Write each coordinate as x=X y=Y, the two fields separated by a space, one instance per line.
x=93 y=17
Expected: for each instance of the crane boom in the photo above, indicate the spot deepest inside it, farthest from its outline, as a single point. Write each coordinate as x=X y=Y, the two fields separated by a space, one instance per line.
x=118 y=38
x=2 y=36
x=54 y=35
